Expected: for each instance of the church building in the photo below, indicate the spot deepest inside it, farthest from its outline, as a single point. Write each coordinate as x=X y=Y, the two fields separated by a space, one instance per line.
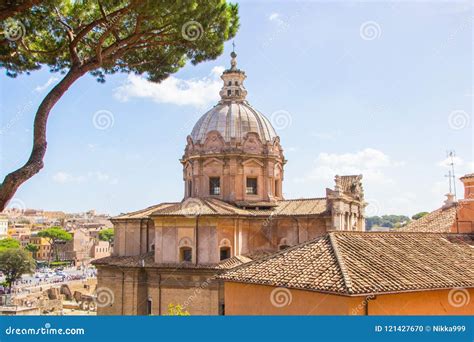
x=233 y=212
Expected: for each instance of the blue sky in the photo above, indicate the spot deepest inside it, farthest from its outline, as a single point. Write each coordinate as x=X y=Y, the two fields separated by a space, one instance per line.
x=378 y=88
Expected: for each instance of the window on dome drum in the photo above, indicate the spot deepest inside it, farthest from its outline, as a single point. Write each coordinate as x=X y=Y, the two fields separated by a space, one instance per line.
x=186 y=254
x=214 y=186
x=277 y=190
x=229 y=83
x=251 y=186
x=229 y=92
x=236 y=83
x=225 y=253
x=190 y=188
x=237 y=92
x=148 y=306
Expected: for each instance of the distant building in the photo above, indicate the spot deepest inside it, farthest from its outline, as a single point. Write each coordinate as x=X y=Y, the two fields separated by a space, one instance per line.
x=3 y=226
x=101 y=249
x=83 y=248
x=17 y=230
x=45 y=250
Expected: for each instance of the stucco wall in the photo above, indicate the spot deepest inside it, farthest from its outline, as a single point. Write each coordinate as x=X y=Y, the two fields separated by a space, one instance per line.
x=249 y=299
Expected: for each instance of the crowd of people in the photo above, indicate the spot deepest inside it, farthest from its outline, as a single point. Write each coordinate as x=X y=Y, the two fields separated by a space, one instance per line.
x=43 y=278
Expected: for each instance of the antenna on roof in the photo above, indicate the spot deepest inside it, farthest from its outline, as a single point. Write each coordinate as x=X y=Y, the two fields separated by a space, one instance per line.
x=451 y=174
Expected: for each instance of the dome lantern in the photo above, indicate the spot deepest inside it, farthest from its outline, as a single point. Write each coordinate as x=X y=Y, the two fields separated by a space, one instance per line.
x=233 y=89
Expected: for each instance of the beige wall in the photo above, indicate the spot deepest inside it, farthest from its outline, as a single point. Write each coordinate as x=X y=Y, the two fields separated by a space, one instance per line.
x=241 y=235
x=250 y=299
x=196 y=290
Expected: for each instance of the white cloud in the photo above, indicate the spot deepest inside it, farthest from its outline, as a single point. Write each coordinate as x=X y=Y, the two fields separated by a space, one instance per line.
x=193 y=92
x=461 y=166
x=64 y=177
x=49 y=82
x=368 y=162
x=274 y=16
x=278 y=20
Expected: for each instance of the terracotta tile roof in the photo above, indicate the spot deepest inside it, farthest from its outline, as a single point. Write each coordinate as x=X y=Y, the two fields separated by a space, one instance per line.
x=358 y=263
x=438 y=221
x=469 y=175
x=143 y=213
x=234 y=262
x=147 y=260
x=211 y=206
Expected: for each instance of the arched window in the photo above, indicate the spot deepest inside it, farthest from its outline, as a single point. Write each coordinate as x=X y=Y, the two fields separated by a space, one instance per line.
x=224 y=253
x=185 y=254
x=229 y=83
x=283 y=244
x=236 y=83
x=185 y=250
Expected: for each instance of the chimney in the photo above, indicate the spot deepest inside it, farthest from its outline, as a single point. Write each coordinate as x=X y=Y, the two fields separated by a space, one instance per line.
x=468 y=181
x=449 y=201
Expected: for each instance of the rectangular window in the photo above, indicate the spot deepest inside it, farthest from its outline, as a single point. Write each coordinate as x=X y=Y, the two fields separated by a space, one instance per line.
x=186 y=254
x=251 y=186
x=277 y=190
x=214 y=186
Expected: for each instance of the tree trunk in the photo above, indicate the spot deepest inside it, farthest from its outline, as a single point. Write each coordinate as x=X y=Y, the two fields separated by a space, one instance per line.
x=12 y=10
x=13 y=180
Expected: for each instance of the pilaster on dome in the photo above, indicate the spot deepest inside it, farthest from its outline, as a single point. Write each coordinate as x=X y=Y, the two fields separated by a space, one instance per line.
x=233 y=89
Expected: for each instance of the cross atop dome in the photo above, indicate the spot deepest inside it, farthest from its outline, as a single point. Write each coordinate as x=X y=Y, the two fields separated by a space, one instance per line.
x=233 y=89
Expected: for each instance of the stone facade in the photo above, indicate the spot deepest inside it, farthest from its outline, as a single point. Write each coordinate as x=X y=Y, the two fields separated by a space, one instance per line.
x=233 y=211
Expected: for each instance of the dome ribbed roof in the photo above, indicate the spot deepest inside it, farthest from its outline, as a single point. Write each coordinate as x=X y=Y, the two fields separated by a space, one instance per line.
x=233 y=120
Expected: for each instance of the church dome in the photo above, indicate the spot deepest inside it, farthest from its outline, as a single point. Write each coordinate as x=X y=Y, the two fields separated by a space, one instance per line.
x=233 y=153
x=233 y=120
x=233 y=117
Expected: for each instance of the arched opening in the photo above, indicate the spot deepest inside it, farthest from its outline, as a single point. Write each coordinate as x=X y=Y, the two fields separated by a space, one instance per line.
x=283 y=247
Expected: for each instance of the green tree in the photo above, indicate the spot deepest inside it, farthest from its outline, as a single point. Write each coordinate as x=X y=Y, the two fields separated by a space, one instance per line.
x=419 y=215
x=176 y=310
x=32 y=248
x=14 y=263
x=55 y=236
x=107 y=235
x=152 y=38
x=9 y=243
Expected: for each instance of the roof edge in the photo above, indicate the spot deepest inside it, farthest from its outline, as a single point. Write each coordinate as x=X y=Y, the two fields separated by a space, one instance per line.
x=340 y=262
